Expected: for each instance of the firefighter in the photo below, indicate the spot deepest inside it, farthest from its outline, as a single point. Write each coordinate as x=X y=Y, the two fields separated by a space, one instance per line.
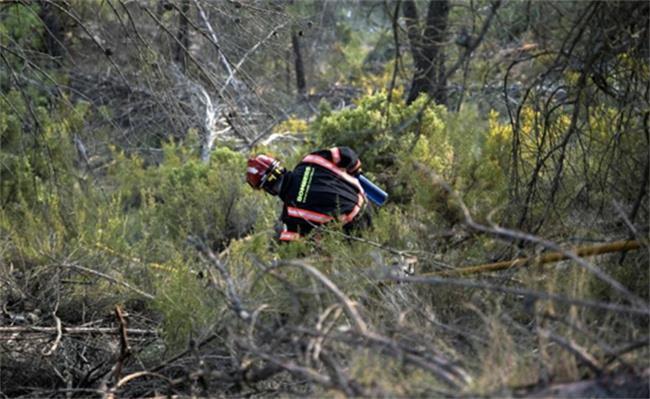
x=322 y=188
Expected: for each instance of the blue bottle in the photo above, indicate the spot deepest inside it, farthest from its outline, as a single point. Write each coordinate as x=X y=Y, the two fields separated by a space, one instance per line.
x=374 y=193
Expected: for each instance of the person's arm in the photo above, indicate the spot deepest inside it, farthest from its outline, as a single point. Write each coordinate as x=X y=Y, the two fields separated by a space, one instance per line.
x=290 y=229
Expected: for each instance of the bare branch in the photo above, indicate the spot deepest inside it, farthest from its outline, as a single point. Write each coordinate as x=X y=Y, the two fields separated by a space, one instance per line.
x=57 y=340
x=107 y=277
x=348 y=305
x=248 y=53
x=213 y=36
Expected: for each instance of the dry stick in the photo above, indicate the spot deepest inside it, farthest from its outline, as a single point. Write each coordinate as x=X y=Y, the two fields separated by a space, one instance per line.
x=116 y=370
x=348 y=305
x=59 y=334
x=606 y=348
x=350 y=310
x=73 y=330
x=551 y=257
x=440 y=367
x=628 y=222
x=140 y=374
x=251 y=327
x=315 y=345
x=249 y=52
x=580 y=353
x=618 y=353
x=124 y=343
x=451 y=377
x=340 y=377
x=109 y=278
x=213 y=36
x=249 y=375
x=167 y=362
x=231 y=292
x=239 y=134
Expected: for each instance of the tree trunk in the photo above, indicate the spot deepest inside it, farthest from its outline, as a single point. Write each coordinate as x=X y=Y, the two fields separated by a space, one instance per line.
x=54 y=32
x=287 y=70
x=183 y=42
x=427 y=49
x=298 y=63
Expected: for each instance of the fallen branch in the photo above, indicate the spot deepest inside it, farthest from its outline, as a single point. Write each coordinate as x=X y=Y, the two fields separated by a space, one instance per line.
x=231 y=293
x=109 y=278
x=74 y=331
x=133 y=376
x=348 y=305
x=59 y=334
x=124 y=343
x=572 y=347
x=551 y=257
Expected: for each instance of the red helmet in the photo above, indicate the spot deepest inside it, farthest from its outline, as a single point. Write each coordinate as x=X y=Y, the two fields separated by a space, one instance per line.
x=260 y=168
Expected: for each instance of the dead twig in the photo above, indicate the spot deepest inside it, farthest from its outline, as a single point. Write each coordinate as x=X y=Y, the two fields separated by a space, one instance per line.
x=107 y=277
x=57 y=340
x=133 y=376
x=315 y=345
x=347 y=303
x=569 y=345
x=124 y=343
x=249 y=52
x=231 y=293
x=213 y=37
x=73 y=331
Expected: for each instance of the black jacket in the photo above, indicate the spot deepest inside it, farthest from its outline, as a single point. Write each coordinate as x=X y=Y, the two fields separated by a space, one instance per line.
x=322 y=188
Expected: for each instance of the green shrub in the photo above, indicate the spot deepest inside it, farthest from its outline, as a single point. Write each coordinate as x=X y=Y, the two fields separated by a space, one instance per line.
x=399 y=145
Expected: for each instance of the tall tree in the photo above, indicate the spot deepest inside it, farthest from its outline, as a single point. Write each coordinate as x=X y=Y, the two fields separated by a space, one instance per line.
x=298 y=63
x=54 y=32
x=183 y=37
x=427 y=49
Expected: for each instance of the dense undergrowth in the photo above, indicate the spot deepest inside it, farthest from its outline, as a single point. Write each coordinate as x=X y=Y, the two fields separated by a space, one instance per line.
x=77 y=241
x=90 y=223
